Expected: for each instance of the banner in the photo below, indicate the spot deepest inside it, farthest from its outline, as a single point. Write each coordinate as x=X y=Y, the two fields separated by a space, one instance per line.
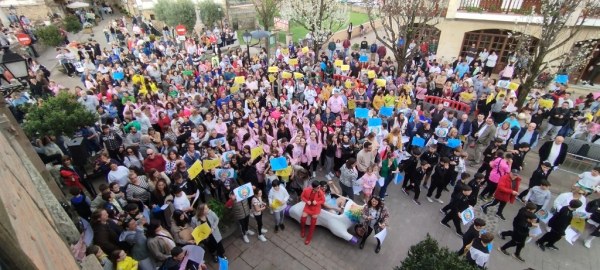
x=398 y=179
x=371 y=74
x=273 y=69
x=195 y=169
x=215 y=142
x=210 y=164
x=278 y=164
x=361 y=113
x=380 y=82
x=239 y=79
x=293 y=62
x=256 y=152
x=201 y=232
x=386 y=111
x=338 y=63
x=453 y=143
x=193 y=259
x=374 y=122
x=345 y=67
x=418 y=142
x=381 y=235
x=223 y=174
x=243 y=192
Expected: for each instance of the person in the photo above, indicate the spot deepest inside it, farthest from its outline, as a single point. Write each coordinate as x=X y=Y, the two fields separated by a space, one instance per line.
x=241 y=212
x=416 y=176
x=593 y=208
x=154 y=161
x=506 y=192
x=103 y=259
x=369 y=180
x=133 y=235
x=589 y=181
x=499 y=167
x=458 y=204
x=554 y=152
x=313 y=197
x=213 y=243
x=106 y=231
x=483 y=137
x=475 y=185
x=563 y=200
x=559 y=223
x=440 y=179
x=159 y=241
x=432 y=157
x=258 y=206
x=541 y=173
x=479 y=254
x=540 y=195
x=559 y=116
x=80 y=203
x=365 y=158
x=278 y=198
x=181 y=229
x=522 y=223
x=176 y=258
x=389 y=169
x=472 y=233
x=122 y=261
x=118 y=174
x=348 y=178
x=73 y=177
x=374 y=218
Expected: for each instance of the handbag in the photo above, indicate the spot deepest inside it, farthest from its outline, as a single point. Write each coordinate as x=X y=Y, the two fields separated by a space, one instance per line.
x=360 y=229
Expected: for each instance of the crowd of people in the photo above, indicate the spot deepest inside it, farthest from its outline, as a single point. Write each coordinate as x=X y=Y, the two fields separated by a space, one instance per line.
x=162 y=105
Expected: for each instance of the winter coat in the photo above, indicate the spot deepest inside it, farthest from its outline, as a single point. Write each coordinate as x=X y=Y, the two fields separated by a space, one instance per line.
x=499 y=169
x=505 y=188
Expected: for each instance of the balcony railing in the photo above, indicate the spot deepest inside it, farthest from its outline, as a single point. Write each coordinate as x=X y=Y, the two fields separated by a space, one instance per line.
x=501 y=6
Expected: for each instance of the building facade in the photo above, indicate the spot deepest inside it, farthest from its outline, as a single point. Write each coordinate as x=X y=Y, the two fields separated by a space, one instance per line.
x=35 y=10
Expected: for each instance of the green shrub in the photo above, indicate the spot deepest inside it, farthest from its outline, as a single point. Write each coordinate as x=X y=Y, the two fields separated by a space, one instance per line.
x=427 y=254
x=355 y=47
x=49 y=35
x=72 y=24
x=217 y=207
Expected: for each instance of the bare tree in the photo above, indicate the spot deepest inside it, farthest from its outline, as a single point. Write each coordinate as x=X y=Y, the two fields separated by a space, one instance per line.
x=266 y=11
x=397 y=22
x=322 y=18
x=559 y=21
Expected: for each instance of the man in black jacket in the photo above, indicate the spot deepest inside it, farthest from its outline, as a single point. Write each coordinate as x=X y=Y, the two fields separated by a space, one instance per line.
x=559 y=223
x=538 y=175
x=554 y=152
x=559 y=116
x=457 y=204
x=524 y=220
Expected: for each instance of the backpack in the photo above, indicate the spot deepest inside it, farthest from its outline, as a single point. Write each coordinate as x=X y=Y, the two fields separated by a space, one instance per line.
x=592 y=206
x=373 y=48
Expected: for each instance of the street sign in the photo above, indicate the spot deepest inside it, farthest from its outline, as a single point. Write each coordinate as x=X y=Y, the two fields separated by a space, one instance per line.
x=24 y=39
x=180 y=30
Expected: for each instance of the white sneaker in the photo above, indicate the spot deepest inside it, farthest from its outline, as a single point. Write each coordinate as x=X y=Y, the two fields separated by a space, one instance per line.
x=264 y=230
x=314 y=174
x=429 y=200
x=262 y=238
x=328 y=177
x=246 y=239
x=440 y=201
x=249 y=232
x=587 y=243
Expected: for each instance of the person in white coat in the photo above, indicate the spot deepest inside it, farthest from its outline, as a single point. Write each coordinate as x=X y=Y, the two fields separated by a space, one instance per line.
x=278 y=198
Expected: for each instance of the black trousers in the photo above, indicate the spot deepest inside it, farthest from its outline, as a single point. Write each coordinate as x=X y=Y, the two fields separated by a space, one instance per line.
x=367 y=233
x=259 y=223
x=489 y=189
x=453 y=215
x=550 y=238
x=244 y=224
x=514 y=242
x=213 y=247
x=495 y=202
x=438 y=186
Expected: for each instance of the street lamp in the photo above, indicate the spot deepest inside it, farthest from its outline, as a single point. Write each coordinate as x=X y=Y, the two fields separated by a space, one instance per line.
x=14 y=69
x=14 y=11
x=247 y=38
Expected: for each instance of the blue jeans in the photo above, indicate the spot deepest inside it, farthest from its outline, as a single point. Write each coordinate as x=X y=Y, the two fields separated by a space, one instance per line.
x=386 y=183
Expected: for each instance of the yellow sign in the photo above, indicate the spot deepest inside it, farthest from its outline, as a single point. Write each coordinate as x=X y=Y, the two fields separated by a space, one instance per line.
x=298 y=75
x=513 y=86
x=285 y=51
x=201 y=232
x=305 y=50
x=210 y=164
x=380 y=82
x=345 y=67
x=256 y=152
x=276 y=204
x=293 y=62
x=195 y=169
x=338 y=63
x=371 y=74
x=546 y=103
x=272 y=78
x=351 y=104
x=286 y=75
x=349 y=84
x=273 y=69
x=239 y=79
x=578 y=224
x=234 y=88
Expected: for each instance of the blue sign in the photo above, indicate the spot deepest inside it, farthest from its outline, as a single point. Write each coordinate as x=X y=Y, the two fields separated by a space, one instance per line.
x=418 y=142
x=278 y=164
x=453 y=143
x=386 y=111
x=374 y=122
x=361 y=113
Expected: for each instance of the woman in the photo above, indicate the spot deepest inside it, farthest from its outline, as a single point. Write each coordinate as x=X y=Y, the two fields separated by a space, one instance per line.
x=72 y=177
x=258 y=206
x=499 y=167
x=375 y=217
x=389 y=169
x=213 y=243
x=181 y=229
x=503 y=132
x=133 y=158
x=138 y=190
x=278 y=198
x=160 y=242
x=133 y=235
x=106 y=231
x=348 y=178
x=171 y=162
x=154 y=175
x=241 y=212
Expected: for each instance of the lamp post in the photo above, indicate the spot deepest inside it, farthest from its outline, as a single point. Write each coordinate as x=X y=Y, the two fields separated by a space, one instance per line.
x=14 y=11
x=14 y=70
x=247 y=38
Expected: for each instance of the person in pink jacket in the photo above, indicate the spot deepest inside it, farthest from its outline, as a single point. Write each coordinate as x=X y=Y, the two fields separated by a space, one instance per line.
x=369 y=179
x=315 y=147
x=498 y=168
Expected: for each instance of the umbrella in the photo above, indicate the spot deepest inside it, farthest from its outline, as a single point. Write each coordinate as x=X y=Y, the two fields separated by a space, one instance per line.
x=76 y=5
x=258 y=34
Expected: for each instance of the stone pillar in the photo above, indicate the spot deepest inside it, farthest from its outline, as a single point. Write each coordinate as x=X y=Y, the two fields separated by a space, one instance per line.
x=452 y=8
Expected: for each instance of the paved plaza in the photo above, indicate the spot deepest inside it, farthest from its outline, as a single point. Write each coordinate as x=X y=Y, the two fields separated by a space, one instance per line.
x=408 y=225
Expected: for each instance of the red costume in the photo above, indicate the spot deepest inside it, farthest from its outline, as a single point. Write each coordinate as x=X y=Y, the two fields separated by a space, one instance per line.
x=309 y=195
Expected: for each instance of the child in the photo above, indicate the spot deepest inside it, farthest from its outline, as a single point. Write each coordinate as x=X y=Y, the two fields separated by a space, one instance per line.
x=471 y=234
x=559 y=223
x=536 y=178
x=479 y=253
x=461 y=165
x=457 y=204
x=415 y=181
x=439 y=179
x=475 y=185
x=519 y=156
x=539 y=195
x=369 y=179
x=432 y=157
x=523 y=221
x=408 y=166
x=81 y=203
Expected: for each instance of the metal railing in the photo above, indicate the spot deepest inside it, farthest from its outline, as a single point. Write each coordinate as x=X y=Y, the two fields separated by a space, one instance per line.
x=501 y=6
x=576 y=164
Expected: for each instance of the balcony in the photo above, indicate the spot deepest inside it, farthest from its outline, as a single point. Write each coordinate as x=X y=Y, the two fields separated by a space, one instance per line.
x=522 y=7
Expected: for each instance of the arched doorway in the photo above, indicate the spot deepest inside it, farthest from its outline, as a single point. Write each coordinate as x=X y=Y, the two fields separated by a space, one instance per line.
x=498 y=40
x=428 y=34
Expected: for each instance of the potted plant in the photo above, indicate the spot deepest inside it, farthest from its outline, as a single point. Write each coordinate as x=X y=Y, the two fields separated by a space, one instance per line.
x=355 y=47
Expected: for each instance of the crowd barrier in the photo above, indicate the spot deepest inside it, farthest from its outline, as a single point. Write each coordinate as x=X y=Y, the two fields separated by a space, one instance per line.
x=448 y=104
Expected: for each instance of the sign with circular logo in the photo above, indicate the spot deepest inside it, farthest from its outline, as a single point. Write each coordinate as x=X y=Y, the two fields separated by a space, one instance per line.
x=24 y=39
x=180 y=30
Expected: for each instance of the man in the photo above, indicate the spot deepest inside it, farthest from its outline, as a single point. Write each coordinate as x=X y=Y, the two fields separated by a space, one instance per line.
x=154 y=161
x=559 y=116
x=529 y=135
x=483 y=137
x=522 y=222
x=314 y=198
x=364 y=159
x=559 y=223
x=462 y=69
x=177 y=257
x=191 y=155
x=506 y=192
x=437 y=114
x=464 y=128
x=133 y=138
x=471 y=54
x=475 y=126
x=112 y=142
x=479 y=253
x=554 y=152
x=364 y=46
